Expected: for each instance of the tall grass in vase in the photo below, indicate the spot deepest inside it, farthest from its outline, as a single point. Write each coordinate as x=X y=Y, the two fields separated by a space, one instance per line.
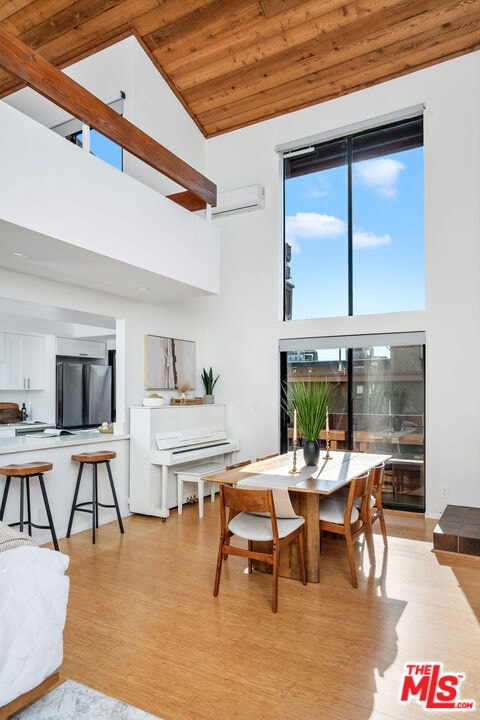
x=310 y=400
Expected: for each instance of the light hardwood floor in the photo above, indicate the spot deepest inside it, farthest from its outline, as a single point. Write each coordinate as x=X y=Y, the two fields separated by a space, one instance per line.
x=144 y=627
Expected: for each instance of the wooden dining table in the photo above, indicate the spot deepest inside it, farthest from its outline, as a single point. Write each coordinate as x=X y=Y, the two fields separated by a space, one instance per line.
x=305 y=488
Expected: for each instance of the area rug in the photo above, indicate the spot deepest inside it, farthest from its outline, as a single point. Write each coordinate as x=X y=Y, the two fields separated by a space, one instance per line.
x=72 y=701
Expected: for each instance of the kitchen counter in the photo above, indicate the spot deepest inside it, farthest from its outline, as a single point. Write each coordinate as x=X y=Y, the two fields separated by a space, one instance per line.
x=27 y=424
x=12 y=429
x=60 y=481
x=39 y=441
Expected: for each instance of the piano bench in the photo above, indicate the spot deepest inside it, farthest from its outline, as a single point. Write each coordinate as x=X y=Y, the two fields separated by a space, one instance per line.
x=194 y=474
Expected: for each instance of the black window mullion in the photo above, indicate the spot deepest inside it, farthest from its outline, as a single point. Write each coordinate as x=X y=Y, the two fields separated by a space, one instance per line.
x=350 y=226
x=283 y=413
x=349 y=437
x=285 y=175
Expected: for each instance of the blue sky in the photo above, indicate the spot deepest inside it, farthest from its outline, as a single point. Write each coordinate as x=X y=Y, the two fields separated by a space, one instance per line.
x=388 y=237
x=106 y=149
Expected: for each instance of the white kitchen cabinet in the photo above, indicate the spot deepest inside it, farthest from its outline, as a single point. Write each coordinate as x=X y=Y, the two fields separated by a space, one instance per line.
x=73 y=347
x=23 y=367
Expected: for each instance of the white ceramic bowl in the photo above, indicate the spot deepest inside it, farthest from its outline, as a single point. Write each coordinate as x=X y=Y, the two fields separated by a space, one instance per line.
x=152 y=402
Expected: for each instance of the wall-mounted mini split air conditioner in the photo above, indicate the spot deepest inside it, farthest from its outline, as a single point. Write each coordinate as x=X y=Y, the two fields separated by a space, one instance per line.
x=244 y=199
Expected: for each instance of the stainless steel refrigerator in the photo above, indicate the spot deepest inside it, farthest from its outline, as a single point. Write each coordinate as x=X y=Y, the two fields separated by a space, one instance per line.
x=84 y=394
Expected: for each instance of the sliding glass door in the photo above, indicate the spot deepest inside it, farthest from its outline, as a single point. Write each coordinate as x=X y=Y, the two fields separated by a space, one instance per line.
x=377 y=402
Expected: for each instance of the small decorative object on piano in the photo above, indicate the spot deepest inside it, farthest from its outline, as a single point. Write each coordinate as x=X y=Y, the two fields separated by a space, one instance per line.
x=186 y=401
x=209 y=383
x=183 y=387
x=152 y=400
x=106 y=427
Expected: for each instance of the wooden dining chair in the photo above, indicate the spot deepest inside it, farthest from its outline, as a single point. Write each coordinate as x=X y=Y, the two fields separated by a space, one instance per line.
x=267 y=457
x=244 y=520
x=374 y=506
x=375 y=487
x=347 y=515
x=238 y=465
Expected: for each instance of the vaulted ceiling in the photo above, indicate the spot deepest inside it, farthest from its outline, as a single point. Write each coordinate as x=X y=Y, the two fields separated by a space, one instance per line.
x=237 y=62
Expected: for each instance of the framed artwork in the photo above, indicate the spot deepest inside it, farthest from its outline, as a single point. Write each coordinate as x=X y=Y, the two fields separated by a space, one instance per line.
x=169 y=363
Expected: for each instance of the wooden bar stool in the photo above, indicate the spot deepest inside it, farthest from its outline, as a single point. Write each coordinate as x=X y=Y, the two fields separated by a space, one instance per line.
x=25 y=471
x=94 y=459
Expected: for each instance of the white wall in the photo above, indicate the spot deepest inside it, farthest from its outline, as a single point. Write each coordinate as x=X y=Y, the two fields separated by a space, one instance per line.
x=152 y=106
x=247 y=312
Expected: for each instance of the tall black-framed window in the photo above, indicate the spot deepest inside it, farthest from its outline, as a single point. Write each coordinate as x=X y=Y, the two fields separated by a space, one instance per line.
x=353 y=225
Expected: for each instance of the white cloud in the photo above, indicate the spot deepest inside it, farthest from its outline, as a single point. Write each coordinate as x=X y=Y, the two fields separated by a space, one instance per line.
x=362 y=239
x=380 y=174
x=316 y=187
x=313 y=192
x=311 y=225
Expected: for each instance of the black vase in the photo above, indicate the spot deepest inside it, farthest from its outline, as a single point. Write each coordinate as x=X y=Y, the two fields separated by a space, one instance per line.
x=311 y=452
x=397 y=423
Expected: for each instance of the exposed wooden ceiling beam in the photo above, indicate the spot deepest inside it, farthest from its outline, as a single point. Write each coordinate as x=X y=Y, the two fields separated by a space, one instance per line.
x=188 y=201
x=43 y=77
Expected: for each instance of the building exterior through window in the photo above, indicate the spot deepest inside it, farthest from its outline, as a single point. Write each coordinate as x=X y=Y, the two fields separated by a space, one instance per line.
x=377 y=403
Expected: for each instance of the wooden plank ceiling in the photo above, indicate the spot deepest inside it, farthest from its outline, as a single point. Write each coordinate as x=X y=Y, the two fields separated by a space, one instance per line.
x=237 y=62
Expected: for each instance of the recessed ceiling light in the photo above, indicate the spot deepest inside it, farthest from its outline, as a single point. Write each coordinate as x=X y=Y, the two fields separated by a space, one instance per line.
x=143 y=289
x=21 y=255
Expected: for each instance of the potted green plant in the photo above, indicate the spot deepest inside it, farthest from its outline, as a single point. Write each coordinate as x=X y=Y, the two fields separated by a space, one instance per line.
x=209 y=383
x=310 y=401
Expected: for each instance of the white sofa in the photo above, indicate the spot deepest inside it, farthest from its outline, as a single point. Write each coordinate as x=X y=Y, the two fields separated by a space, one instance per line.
x=33 y=604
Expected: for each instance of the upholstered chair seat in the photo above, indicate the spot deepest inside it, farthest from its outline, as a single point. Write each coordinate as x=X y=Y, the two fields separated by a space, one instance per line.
x=258 y=527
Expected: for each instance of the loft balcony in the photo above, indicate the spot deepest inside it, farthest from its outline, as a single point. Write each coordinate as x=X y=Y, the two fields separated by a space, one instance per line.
x=78 y=220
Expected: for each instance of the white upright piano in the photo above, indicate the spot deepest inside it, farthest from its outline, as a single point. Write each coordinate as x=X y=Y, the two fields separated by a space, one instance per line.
x=164 y=440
